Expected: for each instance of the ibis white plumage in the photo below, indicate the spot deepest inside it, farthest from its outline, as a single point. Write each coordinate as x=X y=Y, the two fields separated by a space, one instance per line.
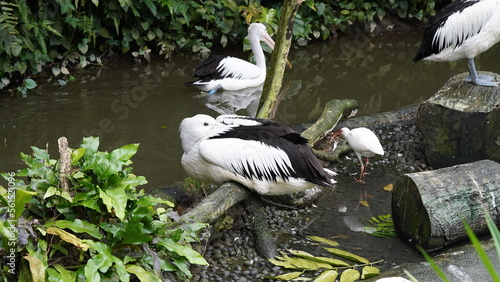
x=261 y=154
x=230 y=73
x=364 y=143
x=462 y=29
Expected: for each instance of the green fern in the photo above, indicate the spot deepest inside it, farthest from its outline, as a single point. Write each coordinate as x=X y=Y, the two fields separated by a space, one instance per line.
x=47 y=25
x=9 y=40
x=8 y=21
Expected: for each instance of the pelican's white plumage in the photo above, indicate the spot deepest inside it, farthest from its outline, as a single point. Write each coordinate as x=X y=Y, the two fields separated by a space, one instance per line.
x=263 y=155
x=364 y=143
x=230 y=73
x=462 y=29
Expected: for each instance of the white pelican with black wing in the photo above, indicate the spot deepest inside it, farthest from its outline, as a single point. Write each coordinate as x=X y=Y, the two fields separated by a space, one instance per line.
x=230 y=73
x=261 y=154
x=463 y=29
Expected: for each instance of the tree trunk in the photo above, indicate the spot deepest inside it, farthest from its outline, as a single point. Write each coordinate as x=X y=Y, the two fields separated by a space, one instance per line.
x=428 y=207
x=332 y=113
x=461 y=123
x=274 y=79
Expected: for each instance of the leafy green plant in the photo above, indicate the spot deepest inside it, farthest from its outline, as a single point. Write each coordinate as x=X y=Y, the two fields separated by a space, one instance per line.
x=101 y=228
x=381 y=226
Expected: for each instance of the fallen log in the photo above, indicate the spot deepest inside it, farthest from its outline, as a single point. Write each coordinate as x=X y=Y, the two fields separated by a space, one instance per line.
x=216 y=204
x=461 y=123
x=428 y=207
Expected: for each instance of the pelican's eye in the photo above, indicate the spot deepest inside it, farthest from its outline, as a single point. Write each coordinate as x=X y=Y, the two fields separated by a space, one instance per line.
x=205 y=124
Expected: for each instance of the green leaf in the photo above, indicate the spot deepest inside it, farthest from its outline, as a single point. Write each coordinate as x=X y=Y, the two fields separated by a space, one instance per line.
x=79 y=226
x=91 y=144
x=327 y=276
x=141 y=273
x=494 y=233
x=433 y=264
x=65 y=275
x=29 y=83
x=119 y=201
x=124 y=153
x=191 y=255
x=37 y=268
x=83 y=47
x=102 y=261
x=135 y=230
x=320 y=8
x=288 y=276
x=151 y=6
x=327 y=260
x=76 y=155
x=51 y=192
x=281 y=263
x=135 y=34
x=323 y=240
x=302 y=263
x=151 y=35
x=115 y=199
x=369 y=271
x=347 y=255
x=482 y=254
x=22 y=198
x=349 y=275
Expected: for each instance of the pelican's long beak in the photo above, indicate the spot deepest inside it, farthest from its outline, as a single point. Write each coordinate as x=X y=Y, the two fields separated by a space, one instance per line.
x=270 y=42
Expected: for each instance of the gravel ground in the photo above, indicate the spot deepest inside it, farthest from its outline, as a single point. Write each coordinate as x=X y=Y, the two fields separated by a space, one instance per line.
x=231 y=252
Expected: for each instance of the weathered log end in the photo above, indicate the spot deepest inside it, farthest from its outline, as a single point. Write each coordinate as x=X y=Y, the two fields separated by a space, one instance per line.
x=461 y=123
x=428 y=207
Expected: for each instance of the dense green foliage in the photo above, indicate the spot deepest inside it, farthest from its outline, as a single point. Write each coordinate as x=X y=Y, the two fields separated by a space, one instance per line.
x=101 y=228
x=58 y=36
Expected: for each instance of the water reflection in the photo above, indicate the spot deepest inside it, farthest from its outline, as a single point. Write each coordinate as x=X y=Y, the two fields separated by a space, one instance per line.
x=242 y=102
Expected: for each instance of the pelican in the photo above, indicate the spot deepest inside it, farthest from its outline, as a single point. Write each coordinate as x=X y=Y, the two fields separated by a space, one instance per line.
x=230 y=73
x=364 y=143
x=261 y=154
x=462 y=29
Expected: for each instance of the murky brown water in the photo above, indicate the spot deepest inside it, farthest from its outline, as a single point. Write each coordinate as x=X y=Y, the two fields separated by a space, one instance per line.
x=126 y=103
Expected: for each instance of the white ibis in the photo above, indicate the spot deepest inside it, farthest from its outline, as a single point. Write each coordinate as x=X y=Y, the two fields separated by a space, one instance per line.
x=462 y=29
x=230 y=73
x=261 y=154
x=364 y=143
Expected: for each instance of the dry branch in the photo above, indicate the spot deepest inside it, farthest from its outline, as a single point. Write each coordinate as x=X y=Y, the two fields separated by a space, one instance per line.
x=64 y=162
